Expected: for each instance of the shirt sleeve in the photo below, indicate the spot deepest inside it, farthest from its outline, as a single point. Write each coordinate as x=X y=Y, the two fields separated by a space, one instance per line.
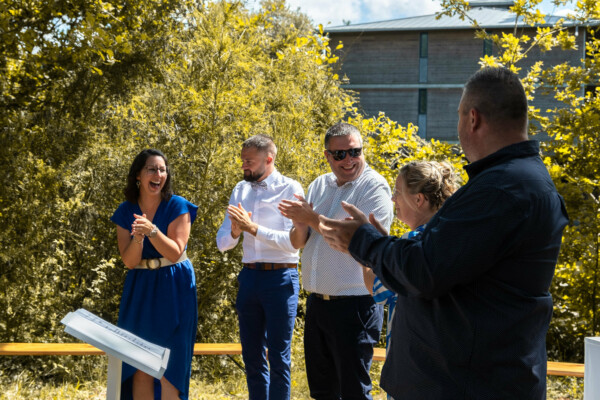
x=309 y=195
x=378 y=200
x=123 y=216
x=179 y=205
x=224 y=239
x=458 y=245
x=280 y=239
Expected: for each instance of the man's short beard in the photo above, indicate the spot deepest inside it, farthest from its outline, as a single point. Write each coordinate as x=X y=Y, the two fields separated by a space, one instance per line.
x=253 y=177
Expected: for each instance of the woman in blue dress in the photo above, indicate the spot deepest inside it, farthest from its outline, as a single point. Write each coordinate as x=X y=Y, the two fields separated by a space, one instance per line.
x=159 y=301
x=420 y=190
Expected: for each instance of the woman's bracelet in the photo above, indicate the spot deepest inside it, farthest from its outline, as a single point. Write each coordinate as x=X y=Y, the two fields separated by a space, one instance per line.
x=138 y=241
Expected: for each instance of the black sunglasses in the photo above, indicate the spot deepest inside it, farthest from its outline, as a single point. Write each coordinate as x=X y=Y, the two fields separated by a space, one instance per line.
x=339 y=155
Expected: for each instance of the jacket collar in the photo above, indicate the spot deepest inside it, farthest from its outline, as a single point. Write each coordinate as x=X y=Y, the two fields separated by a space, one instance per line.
x=517 y=150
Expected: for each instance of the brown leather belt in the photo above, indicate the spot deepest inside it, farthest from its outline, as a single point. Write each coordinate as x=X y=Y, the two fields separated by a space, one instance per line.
x=269 y=266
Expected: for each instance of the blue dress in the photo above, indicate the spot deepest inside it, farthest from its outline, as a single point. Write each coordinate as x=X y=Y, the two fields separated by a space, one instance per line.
x=161 y=305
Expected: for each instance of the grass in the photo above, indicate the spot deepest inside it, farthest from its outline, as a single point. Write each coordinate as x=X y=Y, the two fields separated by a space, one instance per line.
x=205 y=385
x=25 y=387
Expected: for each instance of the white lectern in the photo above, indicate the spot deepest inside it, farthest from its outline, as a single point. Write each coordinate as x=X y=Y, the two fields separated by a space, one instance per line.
x=591 y=384
x=119 y=345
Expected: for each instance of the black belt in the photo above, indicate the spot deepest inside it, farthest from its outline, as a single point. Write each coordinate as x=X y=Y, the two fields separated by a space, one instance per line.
x=269 y=266
x=329 y=297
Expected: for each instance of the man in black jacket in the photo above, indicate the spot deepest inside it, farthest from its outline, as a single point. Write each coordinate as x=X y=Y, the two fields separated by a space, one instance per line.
x=473 y=306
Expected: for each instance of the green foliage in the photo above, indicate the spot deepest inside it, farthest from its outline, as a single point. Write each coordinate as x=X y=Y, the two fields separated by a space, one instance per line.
x=564 y=388
x=219 y=75
x=61 y=63
x=86 y=85
x=574 y=167
x=572 y=156
x=389 y=146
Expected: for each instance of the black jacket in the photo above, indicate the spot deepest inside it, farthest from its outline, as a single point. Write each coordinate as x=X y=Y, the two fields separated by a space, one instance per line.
x=473 y=306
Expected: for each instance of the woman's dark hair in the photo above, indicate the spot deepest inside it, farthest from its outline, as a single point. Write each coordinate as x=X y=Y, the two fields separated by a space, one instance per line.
x=132 y=192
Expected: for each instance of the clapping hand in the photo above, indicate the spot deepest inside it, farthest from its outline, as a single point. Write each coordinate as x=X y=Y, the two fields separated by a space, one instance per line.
x=241 y=220
x=141 y=226
x=375 y=222
x=299 y=211
x=338 y=233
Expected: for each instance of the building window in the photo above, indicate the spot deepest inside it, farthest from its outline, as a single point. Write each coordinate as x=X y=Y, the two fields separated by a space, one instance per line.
x=422 y=101
x=488 y=47
x=423 y=45
x=422 y=117
x=423 y=49
x=592 y=89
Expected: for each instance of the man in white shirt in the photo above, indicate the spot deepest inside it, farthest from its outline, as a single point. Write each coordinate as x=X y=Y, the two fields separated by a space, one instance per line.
x=343 y=322
x=268 y=283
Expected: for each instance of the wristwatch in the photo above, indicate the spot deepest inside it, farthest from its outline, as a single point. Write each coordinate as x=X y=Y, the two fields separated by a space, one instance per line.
x=153 y=232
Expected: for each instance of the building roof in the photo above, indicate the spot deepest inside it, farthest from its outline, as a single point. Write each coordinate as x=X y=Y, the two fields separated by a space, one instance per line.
x=492 y=3
x=487 y=16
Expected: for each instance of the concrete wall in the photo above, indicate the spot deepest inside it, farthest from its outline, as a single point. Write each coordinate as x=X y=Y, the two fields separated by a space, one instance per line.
x=383 y=67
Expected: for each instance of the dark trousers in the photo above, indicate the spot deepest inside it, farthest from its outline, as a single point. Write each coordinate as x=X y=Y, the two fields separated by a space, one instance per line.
x=266 y=304
x=339 y=336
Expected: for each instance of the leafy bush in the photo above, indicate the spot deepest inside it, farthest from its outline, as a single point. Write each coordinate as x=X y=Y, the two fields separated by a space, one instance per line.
x=191 y=79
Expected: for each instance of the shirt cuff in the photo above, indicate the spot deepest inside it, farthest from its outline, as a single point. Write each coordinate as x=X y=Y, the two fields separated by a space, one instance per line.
x=227 y=242
x=261 y=233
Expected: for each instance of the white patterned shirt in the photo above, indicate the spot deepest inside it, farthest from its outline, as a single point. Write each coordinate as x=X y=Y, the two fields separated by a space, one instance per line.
x=327 y=271
x=272 y=241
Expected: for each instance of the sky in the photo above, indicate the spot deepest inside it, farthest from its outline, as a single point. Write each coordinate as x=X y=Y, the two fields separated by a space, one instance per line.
x=334 y=13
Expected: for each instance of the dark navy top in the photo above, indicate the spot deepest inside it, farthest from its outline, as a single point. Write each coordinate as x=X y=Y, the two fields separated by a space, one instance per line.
x=473 y=306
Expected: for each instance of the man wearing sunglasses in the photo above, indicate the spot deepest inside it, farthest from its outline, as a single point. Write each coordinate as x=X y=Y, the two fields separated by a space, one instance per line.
x=473 y=292
x=342 y=321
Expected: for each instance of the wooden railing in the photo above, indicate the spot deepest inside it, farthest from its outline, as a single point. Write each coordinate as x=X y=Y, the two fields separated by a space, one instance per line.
x=82 y=349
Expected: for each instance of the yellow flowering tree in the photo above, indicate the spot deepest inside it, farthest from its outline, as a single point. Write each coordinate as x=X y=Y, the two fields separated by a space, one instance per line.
x=87 y=85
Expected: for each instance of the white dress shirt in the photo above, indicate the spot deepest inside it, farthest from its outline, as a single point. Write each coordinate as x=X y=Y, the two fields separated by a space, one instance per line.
x=327 y=271
x=272 y=241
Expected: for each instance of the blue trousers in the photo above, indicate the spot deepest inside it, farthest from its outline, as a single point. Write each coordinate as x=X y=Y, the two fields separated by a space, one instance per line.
x=339 y=336
x=266 y=304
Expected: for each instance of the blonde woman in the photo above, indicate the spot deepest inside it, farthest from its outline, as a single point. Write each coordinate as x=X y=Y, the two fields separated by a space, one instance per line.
x=421 y=189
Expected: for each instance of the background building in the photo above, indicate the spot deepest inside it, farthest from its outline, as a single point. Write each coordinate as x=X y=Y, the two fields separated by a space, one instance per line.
x=413 y=69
